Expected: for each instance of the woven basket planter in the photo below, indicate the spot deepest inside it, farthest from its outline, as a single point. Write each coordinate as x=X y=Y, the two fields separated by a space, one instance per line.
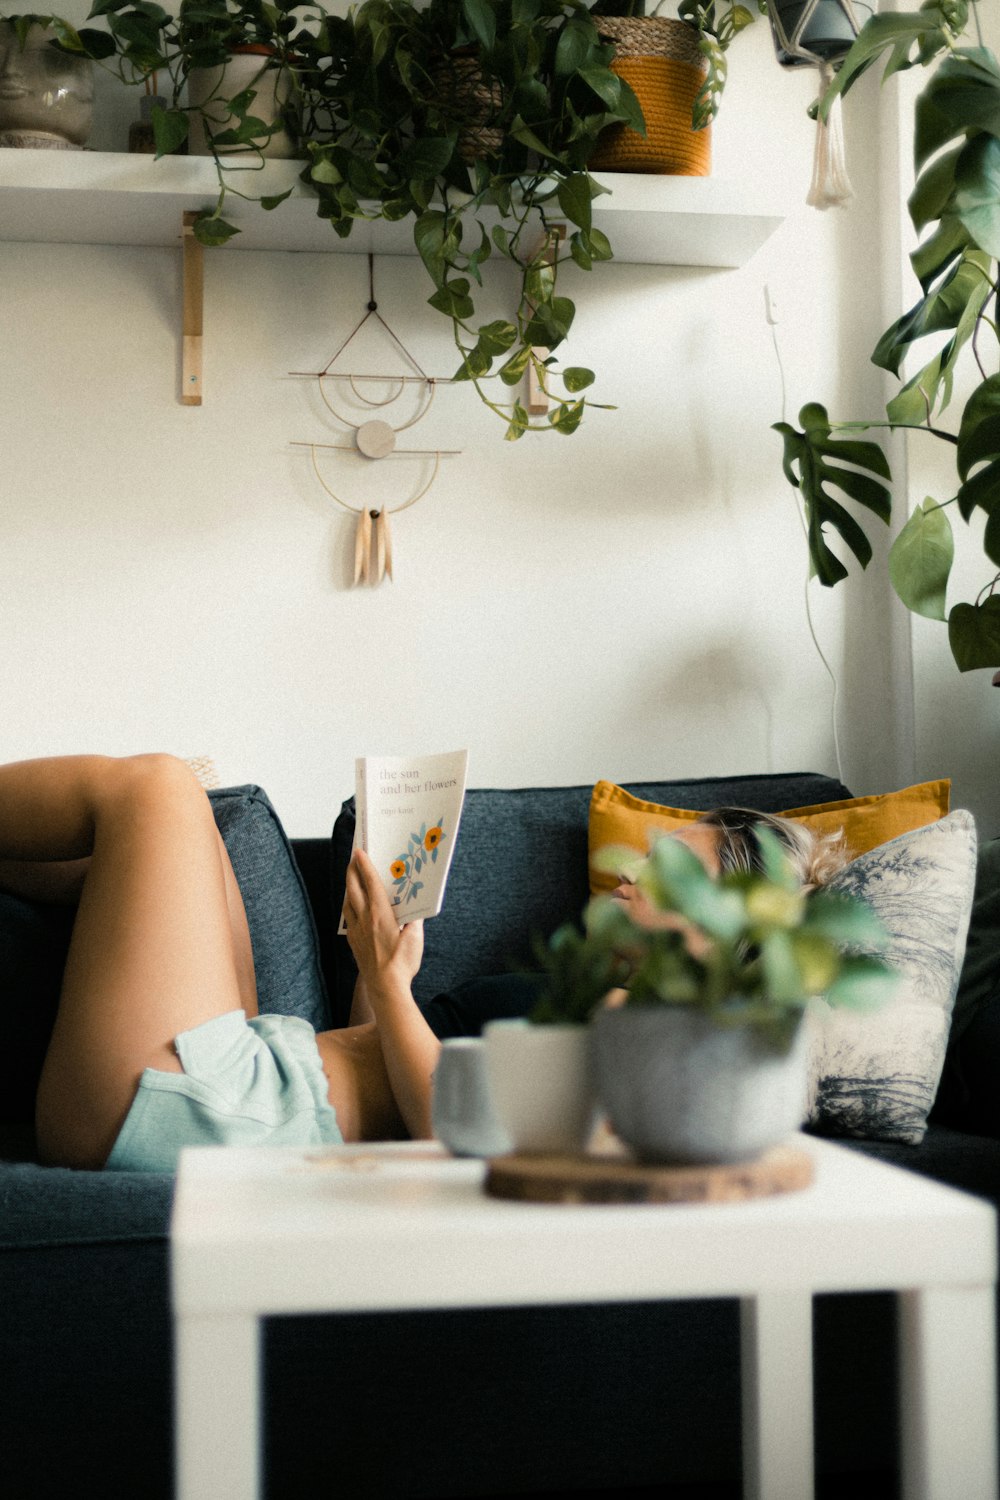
x=659 y=58
x=476 y=102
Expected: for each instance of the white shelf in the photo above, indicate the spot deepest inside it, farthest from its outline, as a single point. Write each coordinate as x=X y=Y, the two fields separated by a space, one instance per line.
x=108 y=198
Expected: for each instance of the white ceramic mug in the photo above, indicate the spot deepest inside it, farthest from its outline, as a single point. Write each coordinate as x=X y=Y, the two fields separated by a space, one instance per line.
x=541 y=1083
x=462 y=1111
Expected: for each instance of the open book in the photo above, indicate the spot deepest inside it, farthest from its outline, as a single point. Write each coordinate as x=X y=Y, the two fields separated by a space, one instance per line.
x=407 y=812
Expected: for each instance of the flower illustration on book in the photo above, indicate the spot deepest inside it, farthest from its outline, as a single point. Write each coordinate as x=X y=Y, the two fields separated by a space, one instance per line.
x=421 y=849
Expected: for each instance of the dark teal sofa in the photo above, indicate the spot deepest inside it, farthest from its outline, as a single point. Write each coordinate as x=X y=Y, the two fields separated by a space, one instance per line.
x=520 y=1401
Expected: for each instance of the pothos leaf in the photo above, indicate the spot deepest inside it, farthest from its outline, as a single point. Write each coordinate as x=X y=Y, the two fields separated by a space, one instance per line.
x=209 y=230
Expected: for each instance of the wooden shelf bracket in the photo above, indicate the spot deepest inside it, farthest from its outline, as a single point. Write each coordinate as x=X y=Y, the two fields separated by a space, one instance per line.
x=194 y=296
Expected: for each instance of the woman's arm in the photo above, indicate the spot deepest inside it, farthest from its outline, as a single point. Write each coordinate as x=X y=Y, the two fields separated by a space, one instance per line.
x=388 y=958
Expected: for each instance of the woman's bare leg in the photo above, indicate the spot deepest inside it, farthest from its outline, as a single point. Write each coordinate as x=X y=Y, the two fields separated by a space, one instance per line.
x=53 y=881
x=60 y=882
x=153 y=950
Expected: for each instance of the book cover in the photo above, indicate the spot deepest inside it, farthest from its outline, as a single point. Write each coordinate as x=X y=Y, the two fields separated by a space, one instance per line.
x=407 y=813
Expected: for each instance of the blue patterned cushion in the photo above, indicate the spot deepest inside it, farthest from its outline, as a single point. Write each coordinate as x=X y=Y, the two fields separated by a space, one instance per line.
x=875 y=1075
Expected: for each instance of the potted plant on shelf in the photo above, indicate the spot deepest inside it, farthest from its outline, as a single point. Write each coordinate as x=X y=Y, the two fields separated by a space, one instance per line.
x=47 y=93
x=475 y=118
x=227 y=70
x=956 y=208
x=704 y=1060
x=677 y=68
x=397 y=91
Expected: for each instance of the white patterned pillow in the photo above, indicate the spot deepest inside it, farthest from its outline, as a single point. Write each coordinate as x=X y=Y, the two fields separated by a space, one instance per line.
x=875 y=1075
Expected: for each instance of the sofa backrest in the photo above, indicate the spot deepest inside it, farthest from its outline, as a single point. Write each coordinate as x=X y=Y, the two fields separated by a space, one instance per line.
x=520 y=871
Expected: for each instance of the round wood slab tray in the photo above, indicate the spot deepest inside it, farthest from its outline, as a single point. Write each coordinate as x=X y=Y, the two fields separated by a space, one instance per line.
x=534 y=1178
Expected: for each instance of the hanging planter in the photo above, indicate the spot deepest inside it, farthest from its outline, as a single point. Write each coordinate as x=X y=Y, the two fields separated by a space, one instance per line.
x=662 y=62
x=807 y=31
x=819 y=34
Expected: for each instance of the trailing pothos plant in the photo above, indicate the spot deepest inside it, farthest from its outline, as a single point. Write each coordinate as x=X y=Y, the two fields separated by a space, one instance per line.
x=382 y=101
x=145 y=43
x=476 y=118
x=955 y=204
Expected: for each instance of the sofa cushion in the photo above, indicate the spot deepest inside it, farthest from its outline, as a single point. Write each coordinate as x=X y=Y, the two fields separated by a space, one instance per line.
x=34 y=940
x=282 y=928
x=520 y=869
x=875 y=1075
x=617 y=816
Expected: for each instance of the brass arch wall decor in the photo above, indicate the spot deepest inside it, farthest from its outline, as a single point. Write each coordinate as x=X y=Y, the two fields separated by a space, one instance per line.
x=375 y=439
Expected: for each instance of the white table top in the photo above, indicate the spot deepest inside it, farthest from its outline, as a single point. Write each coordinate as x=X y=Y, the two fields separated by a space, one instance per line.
x=355 y=1228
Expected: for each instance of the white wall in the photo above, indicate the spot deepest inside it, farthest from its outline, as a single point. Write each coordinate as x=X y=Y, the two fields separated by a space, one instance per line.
x=628 y=602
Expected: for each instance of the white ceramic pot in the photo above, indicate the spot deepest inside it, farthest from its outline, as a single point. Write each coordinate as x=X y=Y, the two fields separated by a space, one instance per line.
x=209 y=88
x=46 y=96
x=462 y=1112
x=679 y=1087
x=541 y=1084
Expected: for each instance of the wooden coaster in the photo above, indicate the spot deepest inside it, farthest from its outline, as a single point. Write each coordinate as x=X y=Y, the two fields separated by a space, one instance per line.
x=606 y=1179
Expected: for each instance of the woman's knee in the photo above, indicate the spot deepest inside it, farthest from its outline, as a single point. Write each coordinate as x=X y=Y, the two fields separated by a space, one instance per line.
x=163 y=776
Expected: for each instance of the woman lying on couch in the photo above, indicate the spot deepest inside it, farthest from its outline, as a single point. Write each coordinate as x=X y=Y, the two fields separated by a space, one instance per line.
x=158 y=1043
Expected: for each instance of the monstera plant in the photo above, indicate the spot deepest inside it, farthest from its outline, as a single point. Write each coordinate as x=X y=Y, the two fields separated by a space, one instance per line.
x=955 y=205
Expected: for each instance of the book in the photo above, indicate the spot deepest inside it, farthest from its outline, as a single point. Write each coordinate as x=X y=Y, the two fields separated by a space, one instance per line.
x=407 y=813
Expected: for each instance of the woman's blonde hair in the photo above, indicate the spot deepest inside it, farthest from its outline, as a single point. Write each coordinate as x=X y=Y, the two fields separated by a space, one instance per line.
x=815 y=858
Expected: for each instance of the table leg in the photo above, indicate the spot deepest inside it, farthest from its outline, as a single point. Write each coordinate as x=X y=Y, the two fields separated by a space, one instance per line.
x=776 y=1368
x=216 y=1407
x=948 y=1393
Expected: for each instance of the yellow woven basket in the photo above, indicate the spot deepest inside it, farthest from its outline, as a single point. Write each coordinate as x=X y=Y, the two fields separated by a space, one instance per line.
x=659 y=58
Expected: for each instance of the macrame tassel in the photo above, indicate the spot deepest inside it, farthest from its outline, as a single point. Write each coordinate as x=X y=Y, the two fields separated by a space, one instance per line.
x=378 y=561
x=362 y=546
x=384 y=542
x=830 y=185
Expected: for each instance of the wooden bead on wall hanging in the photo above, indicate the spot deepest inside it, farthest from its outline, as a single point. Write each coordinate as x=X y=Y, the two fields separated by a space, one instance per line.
x=375 y=439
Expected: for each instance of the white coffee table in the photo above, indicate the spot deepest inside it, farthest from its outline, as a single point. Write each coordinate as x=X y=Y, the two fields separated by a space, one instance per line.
x=257 y=1232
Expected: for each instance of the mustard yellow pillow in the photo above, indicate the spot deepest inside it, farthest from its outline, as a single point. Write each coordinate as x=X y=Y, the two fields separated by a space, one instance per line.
x=616 y=817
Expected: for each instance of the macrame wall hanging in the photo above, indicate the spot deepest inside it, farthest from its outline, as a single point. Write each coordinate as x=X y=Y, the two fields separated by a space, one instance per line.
x=819 y=34
x=374 y=439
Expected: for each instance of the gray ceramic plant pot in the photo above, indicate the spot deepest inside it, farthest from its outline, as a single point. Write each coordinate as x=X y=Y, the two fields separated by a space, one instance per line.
x=678 y=1087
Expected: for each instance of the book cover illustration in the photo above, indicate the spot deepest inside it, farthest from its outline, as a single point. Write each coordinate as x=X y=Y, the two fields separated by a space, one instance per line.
x=408 y=811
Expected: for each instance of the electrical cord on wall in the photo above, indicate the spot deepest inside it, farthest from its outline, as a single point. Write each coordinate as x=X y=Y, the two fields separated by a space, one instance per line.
x=800 y=511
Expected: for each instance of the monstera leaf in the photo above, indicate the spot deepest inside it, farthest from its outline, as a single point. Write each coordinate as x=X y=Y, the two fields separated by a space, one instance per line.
x=815 y=462
x=979 y=461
